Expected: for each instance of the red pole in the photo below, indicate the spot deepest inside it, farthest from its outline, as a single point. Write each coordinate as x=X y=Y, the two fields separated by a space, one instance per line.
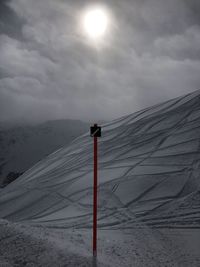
x=95 y=199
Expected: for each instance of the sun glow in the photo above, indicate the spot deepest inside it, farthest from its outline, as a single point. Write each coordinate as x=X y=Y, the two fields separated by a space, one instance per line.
x=95 y=22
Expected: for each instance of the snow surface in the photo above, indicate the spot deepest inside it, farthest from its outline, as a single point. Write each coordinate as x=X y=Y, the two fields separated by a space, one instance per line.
x=149 y=165
x=23 y=245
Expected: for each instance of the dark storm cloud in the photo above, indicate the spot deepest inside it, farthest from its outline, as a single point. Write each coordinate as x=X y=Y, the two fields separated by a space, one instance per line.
x=10 y=23
x=50 y=70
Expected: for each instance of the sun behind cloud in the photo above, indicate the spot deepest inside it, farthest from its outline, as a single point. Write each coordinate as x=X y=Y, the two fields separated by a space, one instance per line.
x=95 y=22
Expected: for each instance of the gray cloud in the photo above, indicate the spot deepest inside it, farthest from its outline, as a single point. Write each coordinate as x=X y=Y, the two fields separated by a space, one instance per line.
x=52 y=71
x=180 y=46
x=10 y=23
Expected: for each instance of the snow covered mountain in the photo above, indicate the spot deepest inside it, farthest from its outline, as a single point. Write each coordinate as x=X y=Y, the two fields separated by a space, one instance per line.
x=24 y=145
x=149 y=165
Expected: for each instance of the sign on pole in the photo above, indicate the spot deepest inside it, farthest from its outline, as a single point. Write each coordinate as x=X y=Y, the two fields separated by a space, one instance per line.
x=95 y=132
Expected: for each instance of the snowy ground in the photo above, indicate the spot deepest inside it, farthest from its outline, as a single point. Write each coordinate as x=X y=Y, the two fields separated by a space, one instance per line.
x=23 y=245
x=149 y=165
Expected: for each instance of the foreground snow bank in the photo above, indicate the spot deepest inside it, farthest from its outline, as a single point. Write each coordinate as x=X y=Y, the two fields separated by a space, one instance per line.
x=24 y=245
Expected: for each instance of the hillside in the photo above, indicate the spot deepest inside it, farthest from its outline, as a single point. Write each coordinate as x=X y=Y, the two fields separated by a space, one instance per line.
x=148 y=173
x=21 y=146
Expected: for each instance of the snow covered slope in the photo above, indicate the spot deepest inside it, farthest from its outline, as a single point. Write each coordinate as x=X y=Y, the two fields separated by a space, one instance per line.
x=149 y=165
x=23 y=146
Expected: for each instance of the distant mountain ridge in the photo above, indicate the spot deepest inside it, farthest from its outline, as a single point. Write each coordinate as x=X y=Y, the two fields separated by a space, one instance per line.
x=149 y=165
x=24 y=145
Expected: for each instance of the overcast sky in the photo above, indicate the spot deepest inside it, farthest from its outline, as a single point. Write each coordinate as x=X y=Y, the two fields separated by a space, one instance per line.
x=50 y=70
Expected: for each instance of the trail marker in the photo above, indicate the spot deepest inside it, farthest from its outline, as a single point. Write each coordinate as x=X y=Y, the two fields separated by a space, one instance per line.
x=95 y=132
